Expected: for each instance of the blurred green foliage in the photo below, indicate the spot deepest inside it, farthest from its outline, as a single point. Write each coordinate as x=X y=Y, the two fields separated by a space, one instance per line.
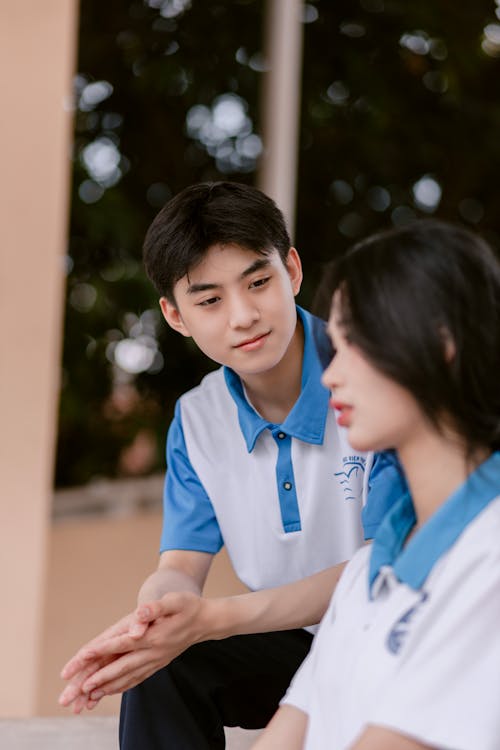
x=400 y=119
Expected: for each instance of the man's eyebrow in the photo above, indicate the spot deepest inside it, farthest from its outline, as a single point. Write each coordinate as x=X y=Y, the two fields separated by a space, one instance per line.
x=194 y=288
x=256 y=266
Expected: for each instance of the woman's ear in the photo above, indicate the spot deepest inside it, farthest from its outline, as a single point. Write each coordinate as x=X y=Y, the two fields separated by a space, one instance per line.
x=294 y=268
x=173 y=316
x=449 y=347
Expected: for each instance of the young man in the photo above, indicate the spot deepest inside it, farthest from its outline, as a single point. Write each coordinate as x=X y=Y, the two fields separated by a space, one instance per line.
x=256 y=461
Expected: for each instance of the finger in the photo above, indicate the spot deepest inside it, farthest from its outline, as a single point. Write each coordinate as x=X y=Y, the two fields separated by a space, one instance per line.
x=79 y=704
x=137 y=629
x=81 y=661
x=126 y=681
x=114 y=671
x=170 y=604
x=78 y=663
x=87 y=651
x=147 y=612
x=74 y=688
x=111 y=648
x=114 y=648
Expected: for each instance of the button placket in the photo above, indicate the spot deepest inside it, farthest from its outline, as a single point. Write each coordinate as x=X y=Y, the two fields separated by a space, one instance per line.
x=290 y=514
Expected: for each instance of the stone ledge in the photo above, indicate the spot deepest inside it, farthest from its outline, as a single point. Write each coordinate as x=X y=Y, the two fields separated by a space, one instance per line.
x=84 y=733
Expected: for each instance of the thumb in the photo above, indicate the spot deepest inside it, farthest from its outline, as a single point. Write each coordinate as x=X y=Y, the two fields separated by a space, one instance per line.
x=170 y=604
x=137 y=629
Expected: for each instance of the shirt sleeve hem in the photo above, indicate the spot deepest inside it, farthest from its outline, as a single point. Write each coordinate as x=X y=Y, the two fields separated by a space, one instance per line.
x=191 y=546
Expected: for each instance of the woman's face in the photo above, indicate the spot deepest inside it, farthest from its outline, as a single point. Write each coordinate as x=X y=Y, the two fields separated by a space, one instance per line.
x=377 y=412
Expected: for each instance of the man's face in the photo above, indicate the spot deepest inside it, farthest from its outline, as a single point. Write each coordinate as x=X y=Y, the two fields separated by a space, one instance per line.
x=238 y=306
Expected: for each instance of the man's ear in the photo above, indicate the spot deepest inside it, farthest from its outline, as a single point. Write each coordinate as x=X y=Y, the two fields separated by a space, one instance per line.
x=294 y=268
x=173 y=316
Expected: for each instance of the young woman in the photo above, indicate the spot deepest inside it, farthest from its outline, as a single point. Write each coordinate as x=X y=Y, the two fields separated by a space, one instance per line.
x=408 y=653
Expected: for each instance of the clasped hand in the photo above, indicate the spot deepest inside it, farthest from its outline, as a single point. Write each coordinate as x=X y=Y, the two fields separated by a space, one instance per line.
x=132 y=649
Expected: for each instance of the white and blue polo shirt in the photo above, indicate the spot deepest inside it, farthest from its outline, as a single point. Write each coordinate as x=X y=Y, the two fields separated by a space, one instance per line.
x=411 y=640
x=285 y=499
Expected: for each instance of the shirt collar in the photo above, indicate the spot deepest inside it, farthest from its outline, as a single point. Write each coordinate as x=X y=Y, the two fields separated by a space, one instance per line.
x=413 y=563
x=307 y=419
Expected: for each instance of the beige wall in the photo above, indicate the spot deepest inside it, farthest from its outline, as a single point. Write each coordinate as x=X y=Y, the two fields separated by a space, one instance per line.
x=36 y=60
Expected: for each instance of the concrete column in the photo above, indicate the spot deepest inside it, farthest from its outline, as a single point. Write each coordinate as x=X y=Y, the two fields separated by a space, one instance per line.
x=281 y=104
x=37 y=43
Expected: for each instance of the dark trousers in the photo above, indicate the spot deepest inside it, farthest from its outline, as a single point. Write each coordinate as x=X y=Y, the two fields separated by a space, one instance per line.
x=234 y=682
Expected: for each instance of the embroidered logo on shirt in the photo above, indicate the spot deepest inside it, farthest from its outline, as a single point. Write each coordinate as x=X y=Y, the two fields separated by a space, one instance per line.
x=353 y=469
x=400 y=629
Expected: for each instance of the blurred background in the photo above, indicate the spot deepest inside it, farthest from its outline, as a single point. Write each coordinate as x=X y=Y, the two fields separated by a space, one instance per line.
x=355 y=115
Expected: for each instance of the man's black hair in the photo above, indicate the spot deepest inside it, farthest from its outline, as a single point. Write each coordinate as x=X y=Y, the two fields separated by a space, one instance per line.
x=207 y=214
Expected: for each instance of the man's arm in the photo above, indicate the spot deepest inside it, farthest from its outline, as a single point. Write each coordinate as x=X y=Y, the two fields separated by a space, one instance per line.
x=294 y=605
x=178 y=570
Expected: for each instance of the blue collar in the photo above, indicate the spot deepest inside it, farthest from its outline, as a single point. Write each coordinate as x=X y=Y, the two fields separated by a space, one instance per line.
x=307 y=419
x=413 y=563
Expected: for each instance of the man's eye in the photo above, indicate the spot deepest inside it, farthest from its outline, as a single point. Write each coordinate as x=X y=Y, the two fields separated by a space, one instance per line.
x=208 y=302
x=260 y=282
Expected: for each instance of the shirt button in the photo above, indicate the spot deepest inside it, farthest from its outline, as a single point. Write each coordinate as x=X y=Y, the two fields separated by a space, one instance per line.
x=287 y=485
x=281 y=435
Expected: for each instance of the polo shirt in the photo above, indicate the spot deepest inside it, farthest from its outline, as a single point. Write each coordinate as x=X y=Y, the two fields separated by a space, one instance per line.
x=411 y=640
x=286 y=498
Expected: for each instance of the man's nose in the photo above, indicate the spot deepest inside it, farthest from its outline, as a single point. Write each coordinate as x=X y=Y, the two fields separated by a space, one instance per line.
x=243 y=313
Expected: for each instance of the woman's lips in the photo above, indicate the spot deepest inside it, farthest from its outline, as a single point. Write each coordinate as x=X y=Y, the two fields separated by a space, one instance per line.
x=344 y=412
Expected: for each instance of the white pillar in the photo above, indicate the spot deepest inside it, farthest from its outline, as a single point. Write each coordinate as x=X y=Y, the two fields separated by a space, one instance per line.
x=281 y=104
x=37 y=41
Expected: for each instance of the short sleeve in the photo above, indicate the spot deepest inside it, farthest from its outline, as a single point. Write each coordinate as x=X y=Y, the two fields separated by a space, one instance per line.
x=446 y=692
x=300 y=690
x=386 y=484
x=189 y=521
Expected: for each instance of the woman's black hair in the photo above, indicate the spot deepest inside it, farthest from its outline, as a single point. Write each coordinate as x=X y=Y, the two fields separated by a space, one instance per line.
x=423 y=304
x=206 y=214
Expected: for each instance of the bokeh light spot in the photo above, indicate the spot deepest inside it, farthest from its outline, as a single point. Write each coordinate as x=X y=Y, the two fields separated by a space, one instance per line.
x=342 y=191
x=378 y=198
x=82 y=297
x=417 y=42
x=93 y=94
x=427 y=193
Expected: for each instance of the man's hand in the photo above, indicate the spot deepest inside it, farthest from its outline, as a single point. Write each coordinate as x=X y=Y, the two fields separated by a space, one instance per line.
x=163 y=625
x=86 y=661
x=133 y=649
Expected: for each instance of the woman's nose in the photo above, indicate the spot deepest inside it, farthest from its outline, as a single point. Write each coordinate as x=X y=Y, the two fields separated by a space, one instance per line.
x=330 y=374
